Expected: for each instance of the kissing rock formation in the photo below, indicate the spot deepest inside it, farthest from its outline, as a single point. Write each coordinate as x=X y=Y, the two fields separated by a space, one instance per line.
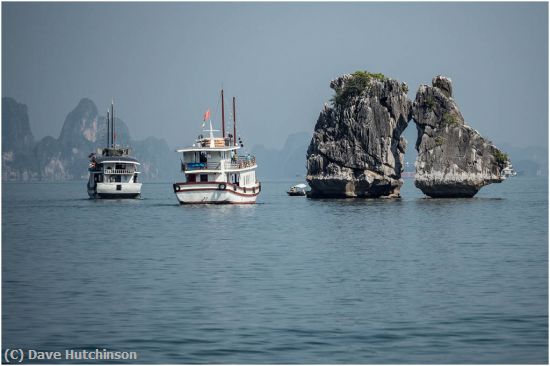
x=357 y=149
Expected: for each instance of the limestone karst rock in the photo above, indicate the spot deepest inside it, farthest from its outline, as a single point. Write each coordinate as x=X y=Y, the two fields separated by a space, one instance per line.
x=357 y=149
x=454 y=160
x=84 y=130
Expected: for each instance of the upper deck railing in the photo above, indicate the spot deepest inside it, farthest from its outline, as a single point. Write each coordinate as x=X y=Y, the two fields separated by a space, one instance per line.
x=99 y=168
x=202 y=166
x=119 y=171
x=239 y=163
x=242 y=162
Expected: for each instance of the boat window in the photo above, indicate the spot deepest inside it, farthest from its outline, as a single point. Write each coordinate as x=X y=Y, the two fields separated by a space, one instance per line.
x=191 y=178
x=204 y=177
x=135 y=178
x=119 y=166
x=203 y=157
x=117 y=178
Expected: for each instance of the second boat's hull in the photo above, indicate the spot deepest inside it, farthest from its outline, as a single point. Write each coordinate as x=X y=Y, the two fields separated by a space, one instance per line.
x=115 y=190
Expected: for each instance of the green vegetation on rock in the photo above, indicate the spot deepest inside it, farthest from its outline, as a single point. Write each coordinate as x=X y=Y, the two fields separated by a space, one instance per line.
x=359 y=82
x=450 y=119
x=501 y=158
x=429 y=103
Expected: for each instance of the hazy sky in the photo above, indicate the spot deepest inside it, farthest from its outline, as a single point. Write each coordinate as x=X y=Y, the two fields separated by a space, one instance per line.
x=165 y=63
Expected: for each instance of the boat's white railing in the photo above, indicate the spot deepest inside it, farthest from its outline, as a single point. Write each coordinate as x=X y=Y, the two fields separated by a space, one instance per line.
x=119 y=171
x=201 y=166
x=241 y=162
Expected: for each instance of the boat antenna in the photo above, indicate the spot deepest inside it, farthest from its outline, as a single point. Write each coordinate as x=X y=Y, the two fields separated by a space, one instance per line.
x=211 y=135
x=223 y=118
x=211 y=131
x=108 y=128
x=234 y=123
x=113 y=122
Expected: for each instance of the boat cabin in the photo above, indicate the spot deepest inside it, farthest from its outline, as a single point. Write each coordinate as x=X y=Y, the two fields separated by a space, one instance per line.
x=215 y=160
x=113 y=166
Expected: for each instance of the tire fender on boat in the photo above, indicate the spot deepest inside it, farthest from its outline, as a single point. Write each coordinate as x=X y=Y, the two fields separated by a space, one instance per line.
x=176 y=188
x=221 y=187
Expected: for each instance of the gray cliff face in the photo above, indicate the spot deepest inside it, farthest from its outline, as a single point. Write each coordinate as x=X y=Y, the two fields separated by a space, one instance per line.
x=16 y=130
x=17 y=142
x=85 y=127
x=454 y=160
x=83 y=132
x=357 y=149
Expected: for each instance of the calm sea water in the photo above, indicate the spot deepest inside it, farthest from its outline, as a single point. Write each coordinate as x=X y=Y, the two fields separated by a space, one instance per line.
x=289 y=280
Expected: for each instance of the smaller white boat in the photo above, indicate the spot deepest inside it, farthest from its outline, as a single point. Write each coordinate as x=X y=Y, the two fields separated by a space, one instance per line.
x=113 y=173
x=297 y=190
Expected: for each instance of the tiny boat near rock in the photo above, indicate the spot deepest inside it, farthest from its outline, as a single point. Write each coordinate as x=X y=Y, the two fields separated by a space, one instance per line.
x=297 y=190
x=113 y=173
x=508 y=171
x=214 y=171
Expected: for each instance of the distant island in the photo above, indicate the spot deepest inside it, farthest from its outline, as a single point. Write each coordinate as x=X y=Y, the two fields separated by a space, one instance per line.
x=84 y=130
x=66 y=157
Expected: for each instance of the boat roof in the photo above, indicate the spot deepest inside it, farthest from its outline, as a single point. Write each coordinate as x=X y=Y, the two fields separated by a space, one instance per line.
x=211 y=143
x=116 y=159
x=202 y=148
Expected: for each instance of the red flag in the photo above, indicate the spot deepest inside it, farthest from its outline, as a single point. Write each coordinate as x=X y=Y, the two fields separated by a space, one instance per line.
x=206 y=115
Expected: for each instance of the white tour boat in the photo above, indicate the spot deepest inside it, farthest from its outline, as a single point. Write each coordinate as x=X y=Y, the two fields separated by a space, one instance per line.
x=113 y=173
x=214 y=171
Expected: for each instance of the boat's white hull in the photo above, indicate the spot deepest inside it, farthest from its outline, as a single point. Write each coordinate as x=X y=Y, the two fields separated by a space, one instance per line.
x=115 y=190
x=215 y=193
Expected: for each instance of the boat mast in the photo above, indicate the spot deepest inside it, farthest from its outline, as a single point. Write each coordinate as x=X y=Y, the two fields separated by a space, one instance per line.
x=108 y=129
x=223 y=117
x=113 y=122
x=234 y=123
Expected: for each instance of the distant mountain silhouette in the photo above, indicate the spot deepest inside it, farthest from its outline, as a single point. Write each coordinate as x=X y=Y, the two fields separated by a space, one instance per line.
x=17 y=141
x=66 y=158
x=288 y=163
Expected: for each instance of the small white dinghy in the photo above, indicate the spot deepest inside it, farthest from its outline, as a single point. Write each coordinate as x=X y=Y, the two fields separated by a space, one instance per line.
x=297 y=190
